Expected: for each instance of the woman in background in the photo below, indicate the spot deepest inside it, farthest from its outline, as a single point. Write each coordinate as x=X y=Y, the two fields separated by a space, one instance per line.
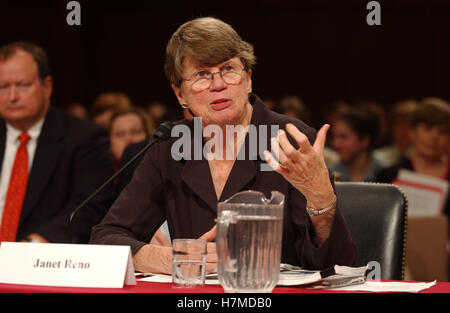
x=354 y=135
x=431 y=133
x=127 y=126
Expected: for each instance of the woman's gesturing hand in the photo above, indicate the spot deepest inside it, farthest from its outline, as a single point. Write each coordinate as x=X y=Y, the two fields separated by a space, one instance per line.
x=304 y=167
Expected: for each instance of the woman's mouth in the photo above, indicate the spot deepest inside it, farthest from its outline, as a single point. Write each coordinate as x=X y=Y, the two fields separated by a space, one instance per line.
x=220 y=104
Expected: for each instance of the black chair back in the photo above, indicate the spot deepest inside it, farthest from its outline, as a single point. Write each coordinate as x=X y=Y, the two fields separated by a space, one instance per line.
x=376 y=215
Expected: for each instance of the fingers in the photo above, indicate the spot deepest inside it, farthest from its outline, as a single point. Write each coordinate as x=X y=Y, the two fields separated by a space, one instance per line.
x=273 y=163
x=284 y=154
x=299 y=137
x=210 y=235
x=211 y=268
x=303 y=141
x=211 y=257
x=321 y=138
x=211 y=251
x=287 y=151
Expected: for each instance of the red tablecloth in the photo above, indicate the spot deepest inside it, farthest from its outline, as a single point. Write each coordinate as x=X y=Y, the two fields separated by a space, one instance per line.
x=149 y=287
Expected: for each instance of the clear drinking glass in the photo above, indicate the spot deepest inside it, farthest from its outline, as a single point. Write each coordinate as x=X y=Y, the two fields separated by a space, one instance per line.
x=188 y=262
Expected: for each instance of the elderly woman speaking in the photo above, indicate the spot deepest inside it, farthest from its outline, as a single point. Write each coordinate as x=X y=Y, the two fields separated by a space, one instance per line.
x=210 y=69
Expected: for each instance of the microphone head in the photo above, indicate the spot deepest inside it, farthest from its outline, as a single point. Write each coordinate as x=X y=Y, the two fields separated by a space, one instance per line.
x=163 y=131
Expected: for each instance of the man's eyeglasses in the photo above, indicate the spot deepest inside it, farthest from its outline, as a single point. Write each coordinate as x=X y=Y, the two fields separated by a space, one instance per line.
x=231 y=74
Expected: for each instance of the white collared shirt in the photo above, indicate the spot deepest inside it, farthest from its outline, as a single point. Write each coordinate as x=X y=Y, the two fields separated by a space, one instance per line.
x=11 y=145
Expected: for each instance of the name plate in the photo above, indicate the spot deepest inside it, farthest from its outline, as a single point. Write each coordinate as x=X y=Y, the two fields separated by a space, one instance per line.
x=67 y=265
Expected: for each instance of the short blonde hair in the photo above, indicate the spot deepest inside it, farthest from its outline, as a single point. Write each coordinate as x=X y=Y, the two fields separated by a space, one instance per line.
x=147 y=123
x=207 y=40
x=109 y=101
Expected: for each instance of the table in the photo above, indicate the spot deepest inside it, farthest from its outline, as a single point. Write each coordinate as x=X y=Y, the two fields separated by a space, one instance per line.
x=148 y=295
x=151 y=287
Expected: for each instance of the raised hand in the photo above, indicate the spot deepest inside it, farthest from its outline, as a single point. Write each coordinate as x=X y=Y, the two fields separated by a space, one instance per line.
x=304 y=167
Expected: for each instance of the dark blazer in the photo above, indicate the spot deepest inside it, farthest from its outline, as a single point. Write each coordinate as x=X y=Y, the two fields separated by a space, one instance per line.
x=72 y=158
x=183 y=193
x=130 y=151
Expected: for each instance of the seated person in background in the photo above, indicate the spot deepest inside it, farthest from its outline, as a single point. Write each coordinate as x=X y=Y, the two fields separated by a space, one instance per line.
x=431 y=133
x=354 y=135
x=401 y=136
x=127 y=126
x=329 y=114
x=78 y=110
x=106 y=104
x=50 y=161
x=209 y=67
x=293 y=106
x=157 y=112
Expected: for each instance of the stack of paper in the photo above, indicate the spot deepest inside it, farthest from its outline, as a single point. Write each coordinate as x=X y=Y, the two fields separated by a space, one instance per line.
x=341 y=278
x=426 y=194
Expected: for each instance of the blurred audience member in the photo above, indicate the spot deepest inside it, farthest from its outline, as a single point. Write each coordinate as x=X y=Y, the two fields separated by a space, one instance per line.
x=50 y=161
x=293 y=106
x=128 y=126
x=329 y=115
x=158 y=112
x=354 y=134
x=331 y=112
x=270 y=103
x=431 y=132
x=106 y=104
x=400 y=133
x=380 y=112
x=78 y=110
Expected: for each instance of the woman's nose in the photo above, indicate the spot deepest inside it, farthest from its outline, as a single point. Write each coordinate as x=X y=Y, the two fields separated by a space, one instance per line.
x=217 y=82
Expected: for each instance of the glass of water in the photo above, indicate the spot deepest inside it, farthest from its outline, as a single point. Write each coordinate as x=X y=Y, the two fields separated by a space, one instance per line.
x=188 y=263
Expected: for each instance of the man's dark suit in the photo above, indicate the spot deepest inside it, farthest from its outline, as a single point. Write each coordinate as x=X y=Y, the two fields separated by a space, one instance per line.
x=72 y=159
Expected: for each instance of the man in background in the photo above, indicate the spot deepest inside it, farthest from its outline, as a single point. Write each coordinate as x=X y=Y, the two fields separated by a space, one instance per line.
x=50 y=161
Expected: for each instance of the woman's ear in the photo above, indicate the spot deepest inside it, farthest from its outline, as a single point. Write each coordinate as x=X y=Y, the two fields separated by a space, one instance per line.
x=178 y=93
x=249 y=81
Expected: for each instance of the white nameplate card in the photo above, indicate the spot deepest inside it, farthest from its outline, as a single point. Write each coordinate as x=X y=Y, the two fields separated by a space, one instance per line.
x=67 y=265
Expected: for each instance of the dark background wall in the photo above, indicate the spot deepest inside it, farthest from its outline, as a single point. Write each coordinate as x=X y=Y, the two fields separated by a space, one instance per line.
x=321 y=51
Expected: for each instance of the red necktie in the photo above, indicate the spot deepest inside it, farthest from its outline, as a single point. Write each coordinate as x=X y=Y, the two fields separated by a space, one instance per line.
x=16 y=192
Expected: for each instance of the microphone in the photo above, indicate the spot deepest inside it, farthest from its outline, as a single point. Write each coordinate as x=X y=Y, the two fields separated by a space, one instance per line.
x=161 y=133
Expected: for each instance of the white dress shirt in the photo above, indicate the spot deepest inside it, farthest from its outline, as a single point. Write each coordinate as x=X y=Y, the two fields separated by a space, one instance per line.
x=11 y=145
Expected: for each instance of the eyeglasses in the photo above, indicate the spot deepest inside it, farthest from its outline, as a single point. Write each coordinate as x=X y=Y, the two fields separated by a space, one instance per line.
x=230 y=74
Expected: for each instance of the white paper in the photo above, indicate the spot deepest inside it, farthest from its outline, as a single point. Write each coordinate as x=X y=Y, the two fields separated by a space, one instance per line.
x=290 y=280
x=426 y=195
x=67 y=265
x=157 y=278
x=289 y=276
x=379 y=286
